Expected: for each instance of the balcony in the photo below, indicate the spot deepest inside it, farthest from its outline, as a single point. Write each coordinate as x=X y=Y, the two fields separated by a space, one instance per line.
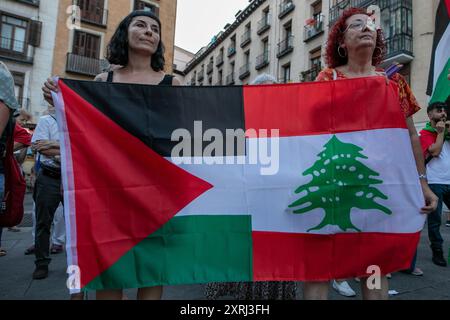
x=15 y=50
x=399 y=48
x=285 y=47
x=34 y=3
x=285 y=8
x=83 y=65
x=311 y=74
x=219 y=60
x=246 y=38
x=209 y=67
x=337 y=10
x=230 y=79
x=263 y=25
x=231 y=51
x=244 y=71
x=262 y=60
x=314 y=28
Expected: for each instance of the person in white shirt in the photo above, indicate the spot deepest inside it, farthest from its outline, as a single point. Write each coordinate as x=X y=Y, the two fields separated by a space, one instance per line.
x=435 y=139
x=47 y=191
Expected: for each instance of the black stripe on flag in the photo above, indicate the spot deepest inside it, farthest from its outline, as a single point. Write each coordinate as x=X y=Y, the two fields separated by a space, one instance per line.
x=442 y=21
x=152 y=113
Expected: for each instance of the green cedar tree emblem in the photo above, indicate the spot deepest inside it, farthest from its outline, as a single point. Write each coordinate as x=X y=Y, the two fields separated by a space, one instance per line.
x=339 y=183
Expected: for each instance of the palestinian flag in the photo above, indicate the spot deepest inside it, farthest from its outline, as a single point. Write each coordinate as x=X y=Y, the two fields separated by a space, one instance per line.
x=438 y=83
x=182 y=185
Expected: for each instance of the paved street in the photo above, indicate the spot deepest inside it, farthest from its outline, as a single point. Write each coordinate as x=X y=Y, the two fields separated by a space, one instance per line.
x=16 y=270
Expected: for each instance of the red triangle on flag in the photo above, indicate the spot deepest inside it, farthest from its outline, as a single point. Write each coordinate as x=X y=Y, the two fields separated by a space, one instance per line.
x=124 y=191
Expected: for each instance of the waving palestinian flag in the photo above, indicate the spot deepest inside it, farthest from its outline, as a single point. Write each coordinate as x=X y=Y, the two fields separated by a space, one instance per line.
x=438 y=83
x=333 y=190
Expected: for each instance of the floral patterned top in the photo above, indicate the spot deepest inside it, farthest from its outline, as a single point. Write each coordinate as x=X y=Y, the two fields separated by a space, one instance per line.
x=408 y=102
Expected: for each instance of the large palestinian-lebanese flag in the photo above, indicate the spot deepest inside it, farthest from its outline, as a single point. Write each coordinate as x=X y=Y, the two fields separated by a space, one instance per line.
x=438 y=83
x=335 y=193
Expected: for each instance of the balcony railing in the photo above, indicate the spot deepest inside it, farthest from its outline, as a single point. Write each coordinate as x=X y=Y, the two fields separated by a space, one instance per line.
x=209 y=67
x=83 y=65
x=340 y=6
x=263 y=25
x=230 y=79
x=231 y=50
x=286 y=46
x=311 y=74
x=219 y=60
x=314 y=28
x=246 y=38
x=244 y=71
x=31 y=2
x=16 y=50
x=262 y=60
x=398 y=44
x=286 y=7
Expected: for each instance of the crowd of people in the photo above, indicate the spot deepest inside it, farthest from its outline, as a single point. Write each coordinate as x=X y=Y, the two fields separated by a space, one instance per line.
x=355 y=48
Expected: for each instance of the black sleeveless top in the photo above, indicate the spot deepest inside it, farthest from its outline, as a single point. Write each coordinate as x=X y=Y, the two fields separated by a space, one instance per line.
x=167 y=80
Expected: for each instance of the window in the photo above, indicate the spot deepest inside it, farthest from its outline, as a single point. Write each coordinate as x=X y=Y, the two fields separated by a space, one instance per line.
x=219 y=77
x=317 y=12
x=286 y=73
x=92 y=10
x=315 y=58
x=265 y=45
x=19 y=82
x=13 y=32
x=146 y=6
x=288 y=30
x=86 y=45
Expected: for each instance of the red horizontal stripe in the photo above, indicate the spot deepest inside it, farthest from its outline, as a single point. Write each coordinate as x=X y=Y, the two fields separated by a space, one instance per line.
x=324 y=107
x=290 y=256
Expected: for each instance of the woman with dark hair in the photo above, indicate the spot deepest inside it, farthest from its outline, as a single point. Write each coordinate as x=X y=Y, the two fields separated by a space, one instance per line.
x=137 y=50
x=355 y=48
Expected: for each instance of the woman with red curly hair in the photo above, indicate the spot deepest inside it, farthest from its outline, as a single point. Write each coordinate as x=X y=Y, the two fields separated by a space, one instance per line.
x=355 y=49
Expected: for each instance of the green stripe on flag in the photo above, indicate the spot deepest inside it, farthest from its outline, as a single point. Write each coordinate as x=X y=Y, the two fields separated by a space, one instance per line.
x=185 y=250
x=441 y=91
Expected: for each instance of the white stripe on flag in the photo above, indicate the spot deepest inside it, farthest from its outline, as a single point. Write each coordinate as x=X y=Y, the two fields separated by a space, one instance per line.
x=442 y=55
x=240 y=189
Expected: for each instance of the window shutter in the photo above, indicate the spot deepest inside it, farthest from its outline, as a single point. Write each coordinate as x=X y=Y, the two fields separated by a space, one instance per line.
x=34 y=36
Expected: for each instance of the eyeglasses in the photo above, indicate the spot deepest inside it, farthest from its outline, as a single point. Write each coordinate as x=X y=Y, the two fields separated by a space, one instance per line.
x=360 y=25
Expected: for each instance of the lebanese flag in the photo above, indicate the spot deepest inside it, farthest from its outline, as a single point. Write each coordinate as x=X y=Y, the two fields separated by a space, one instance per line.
x=438 y=83
x=332 y=191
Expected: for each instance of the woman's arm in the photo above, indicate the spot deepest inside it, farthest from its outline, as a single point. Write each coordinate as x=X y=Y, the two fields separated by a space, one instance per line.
x=430 y=198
